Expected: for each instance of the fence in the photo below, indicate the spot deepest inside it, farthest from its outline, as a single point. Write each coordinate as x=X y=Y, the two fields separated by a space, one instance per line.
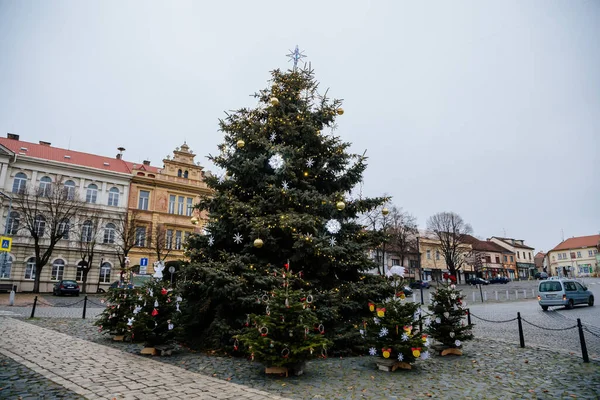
x=77 y=308
x=484 y=295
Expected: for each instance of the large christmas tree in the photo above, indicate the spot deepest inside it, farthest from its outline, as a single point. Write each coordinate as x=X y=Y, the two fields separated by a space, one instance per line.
x=284 y=195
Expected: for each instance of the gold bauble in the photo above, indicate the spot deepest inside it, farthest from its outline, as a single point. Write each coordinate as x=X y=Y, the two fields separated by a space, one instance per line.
x=194 y=220
x=274 y=101
x=385 y=211
x=258 y=243
x=240 y=143
x=340 y=205
x=340 y=111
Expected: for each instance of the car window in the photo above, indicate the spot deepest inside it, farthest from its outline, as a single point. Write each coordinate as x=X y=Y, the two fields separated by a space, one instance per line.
x=69 y=282
x=570 y=286
x=550 y=287
x=578 y=286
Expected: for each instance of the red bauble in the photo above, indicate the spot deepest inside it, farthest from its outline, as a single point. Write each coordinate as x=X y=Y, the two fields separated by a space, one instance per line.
x=163 y=291
x=154 y=312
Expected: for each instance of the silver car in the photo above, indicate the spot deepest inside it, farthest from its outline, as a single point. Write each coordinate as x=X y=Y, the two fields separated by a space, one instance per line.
x=563 y=292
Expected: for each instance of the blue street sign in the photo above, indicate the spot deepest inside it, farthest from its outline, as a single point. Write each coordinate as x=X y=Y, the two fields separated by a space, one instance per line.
x=143 y=262
x=5 y=243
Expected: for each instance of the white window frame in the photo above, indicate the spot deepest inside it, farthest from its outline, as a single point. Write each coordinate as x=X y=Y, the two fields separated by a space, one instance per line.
x=178 y=240
x=14 y=219
x=30 y=269
x=19 y=182
x=69 y=188
x=180 y=205
x=113 y=197
x=58 y=270
x=87 y=231
x=172 y=201
x=143 y=200
x=39 y=225
x=169 y=239
x=190 y=207
x=6 y=262
x=45 y=186
x=65 y=225
x=140 y=236
x=91 y=195
x=105 y=271
x=109 y=233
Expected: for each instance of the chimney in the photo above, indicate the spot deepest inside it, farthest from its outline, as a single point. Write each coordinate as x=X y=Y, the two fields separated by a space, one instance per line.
x=12 y=136
x=45 y=143
x=119 y=156
x=146 y=162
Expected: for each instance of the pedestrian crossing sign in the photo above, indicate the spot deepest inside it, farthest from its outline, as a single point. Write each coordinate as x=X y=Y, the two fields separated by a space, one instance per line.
x=6 y=243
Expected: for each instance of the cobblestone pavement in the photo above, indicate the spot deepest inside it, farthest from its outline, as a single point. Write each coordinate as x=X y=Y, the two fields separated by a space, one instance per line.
x=101 y=372
x=489 y=369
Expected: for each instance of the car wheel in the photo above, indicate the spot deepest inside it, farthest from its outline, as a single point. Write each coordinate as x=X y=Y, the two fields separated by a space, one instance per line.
x=570 y=304
x=545 y=308
x=591 y=301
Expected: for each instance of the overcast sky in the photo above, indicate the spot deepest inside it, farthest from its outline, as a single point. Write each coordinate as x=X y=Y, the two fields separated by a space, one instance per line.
x=490 y=109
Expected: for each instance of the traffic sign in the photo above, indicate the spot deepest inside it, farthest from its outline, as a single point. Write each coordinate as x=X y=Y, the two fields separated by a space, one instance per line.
x=5 y=243
x=143 y=262
x=172 y=269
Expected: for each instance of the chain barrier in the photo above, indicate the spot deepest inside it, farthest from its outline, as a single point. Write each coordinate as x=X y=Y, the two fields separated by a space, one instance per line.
x=548 y=329
x=98 y=304
x=585 y=328
x=489 y=320
x=43 y=302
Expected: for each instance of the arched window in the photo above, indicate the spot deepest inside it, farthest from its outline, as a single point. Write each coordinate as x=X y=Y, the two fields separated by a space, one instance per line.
x=87 y=231
x=91 y=194
x=19 y=183
x=45 y=186
x=79 y=273
x=105 y=273
x=63 y=228
x=58 y=269
x=39 y=225
x=109 y=233
x=179 y=173
x=5 y=265
x=185 y=174
x=69 y=190
x=13 y=223
x=30 y=269
x=113 y=197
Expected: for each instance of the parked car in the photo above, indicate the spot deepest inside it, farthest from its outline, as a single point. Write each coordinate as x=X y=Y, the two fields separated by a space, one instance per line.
x=540 y=275
x=477 y=281
x=500 y=279
x=563 y=292
x=419 y=284
x=138 y=281
x=406 y=290
x=66 y=286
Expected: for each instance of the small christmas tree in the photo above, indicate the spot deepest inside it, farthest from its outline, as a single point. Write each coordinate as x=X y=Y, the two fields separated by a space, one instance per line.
x=158 y=317
x=447 y=325
x=116 y=317
x=288 y=333
x=393 y=332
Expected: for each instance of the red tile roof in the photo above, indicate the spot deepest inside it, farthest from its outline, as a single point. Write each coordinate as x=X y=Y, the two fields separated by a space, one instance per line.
x=578 y=242
x=46 y=152
x=484 y=245
x=540 y=254
x=510 y=241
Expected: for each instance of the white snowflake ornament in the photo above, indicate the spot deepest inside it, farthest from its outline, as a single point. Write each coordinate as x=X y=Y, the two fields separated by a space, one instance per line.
x=310 y=162
x=373 y=351
x=237 y=238
x=211 y=240
x=333 y=226
x=376 y=320
x=425 y=355
x=457 y=343
x=404 y=337
x=285 y=185
x=273 y=137
x=383 y=332
x=332 y=241
x=400 y=357
x=276 y=162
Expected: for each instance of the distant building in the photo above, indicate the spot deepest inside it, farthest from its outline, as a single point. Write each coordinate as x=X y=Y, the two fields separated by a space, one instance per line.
x=523 y=255
x=575 y=257
x=489 y=259
x=540 y=262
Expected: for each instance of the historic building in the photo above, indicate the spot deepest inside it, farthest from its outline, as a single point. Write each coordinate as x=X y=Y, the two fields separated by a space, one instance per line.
x=489 y=259
x=523 y=255
x=433 y=264
x=100 y=187
x=162 y=202
x=575 y=257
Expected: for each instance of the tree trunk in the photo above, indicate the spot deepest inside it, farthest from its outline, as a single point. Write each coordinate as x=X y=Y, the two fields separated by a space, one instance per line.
x=36 y=282
x=84 y=281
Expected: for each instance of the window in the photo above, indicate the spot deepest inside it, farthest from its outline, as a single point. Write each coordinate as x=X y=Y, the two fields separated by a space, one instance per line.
x=79 y=274
x=579 y=287
x=5 y=265
x=143 y=200
x=19 y=183
x=113 y=197
x=190 y=207
x=39 y=225
x=140 y=236
x=69 y=190
x=172 y=204
x=180 y=204
x=505 y=259
x=488 y=259
x=564 y=256
x=512 y=259
x=578 y=254
x=179 y=172
x=437 y=255
x=529 y=256
x=12 y=225
x=429 y=254
x=105 y=273
x=590 y=252
x=185 y=174
x=87 y=231
x=178 y=240
x=92 y=193
x=63 y=228
x=169 y=239
x=58 y=268
x=30 y=269
x=518 y=255
x=45 y=186
x=595 y=251
x=109 y=233
x=570 y=287
x=497 y=259
x=186 y=237
x=395 y=261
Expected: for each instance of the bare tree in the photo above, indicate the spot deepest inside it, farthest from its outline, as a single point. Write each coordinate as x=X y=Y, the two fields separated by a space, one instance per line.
x=46 y=213
x=88 y=232
x=378 y=221
x=402 y=233
x=162 y=242
x=125 y=236
x=451 y=231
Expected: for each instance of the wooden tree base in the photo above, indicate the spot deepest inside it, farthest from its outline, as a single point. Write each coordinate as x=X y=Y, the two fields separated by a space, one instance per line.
x=149 y=350
x=296 y=369
x=277 y=370
x=119 y=338
x=392 y=365
x=451 y=350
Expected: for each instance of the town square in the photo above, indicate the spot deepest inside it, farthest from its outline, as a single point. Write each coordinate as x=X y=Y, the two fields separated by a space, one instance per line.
x=379 y=211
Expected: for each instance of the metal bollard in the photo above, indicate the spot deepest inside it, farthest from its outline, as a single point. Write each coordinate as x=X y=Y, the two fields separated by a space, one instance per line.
x=33 y=308
x=473 y=296
x=485 y=296
x=469 y=316
x=11 y=297
x=516 y=294
x=414 y=298
x=496 y=294
x=533 y=293
x=507 y=295
x=524 y=294
x=84 y=306
x=521 y=337
x=584 y=352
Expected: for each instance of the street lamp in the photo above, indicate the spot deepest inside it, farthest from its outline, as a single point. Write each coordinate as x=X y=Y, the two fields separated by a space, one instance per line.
x=419 y=268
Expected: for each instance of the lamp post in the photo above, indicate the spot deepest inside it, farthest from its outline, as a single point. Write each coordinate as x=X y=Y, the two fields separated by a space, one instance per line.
x=384 y=212
x=419 y=268
x=6 y=230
